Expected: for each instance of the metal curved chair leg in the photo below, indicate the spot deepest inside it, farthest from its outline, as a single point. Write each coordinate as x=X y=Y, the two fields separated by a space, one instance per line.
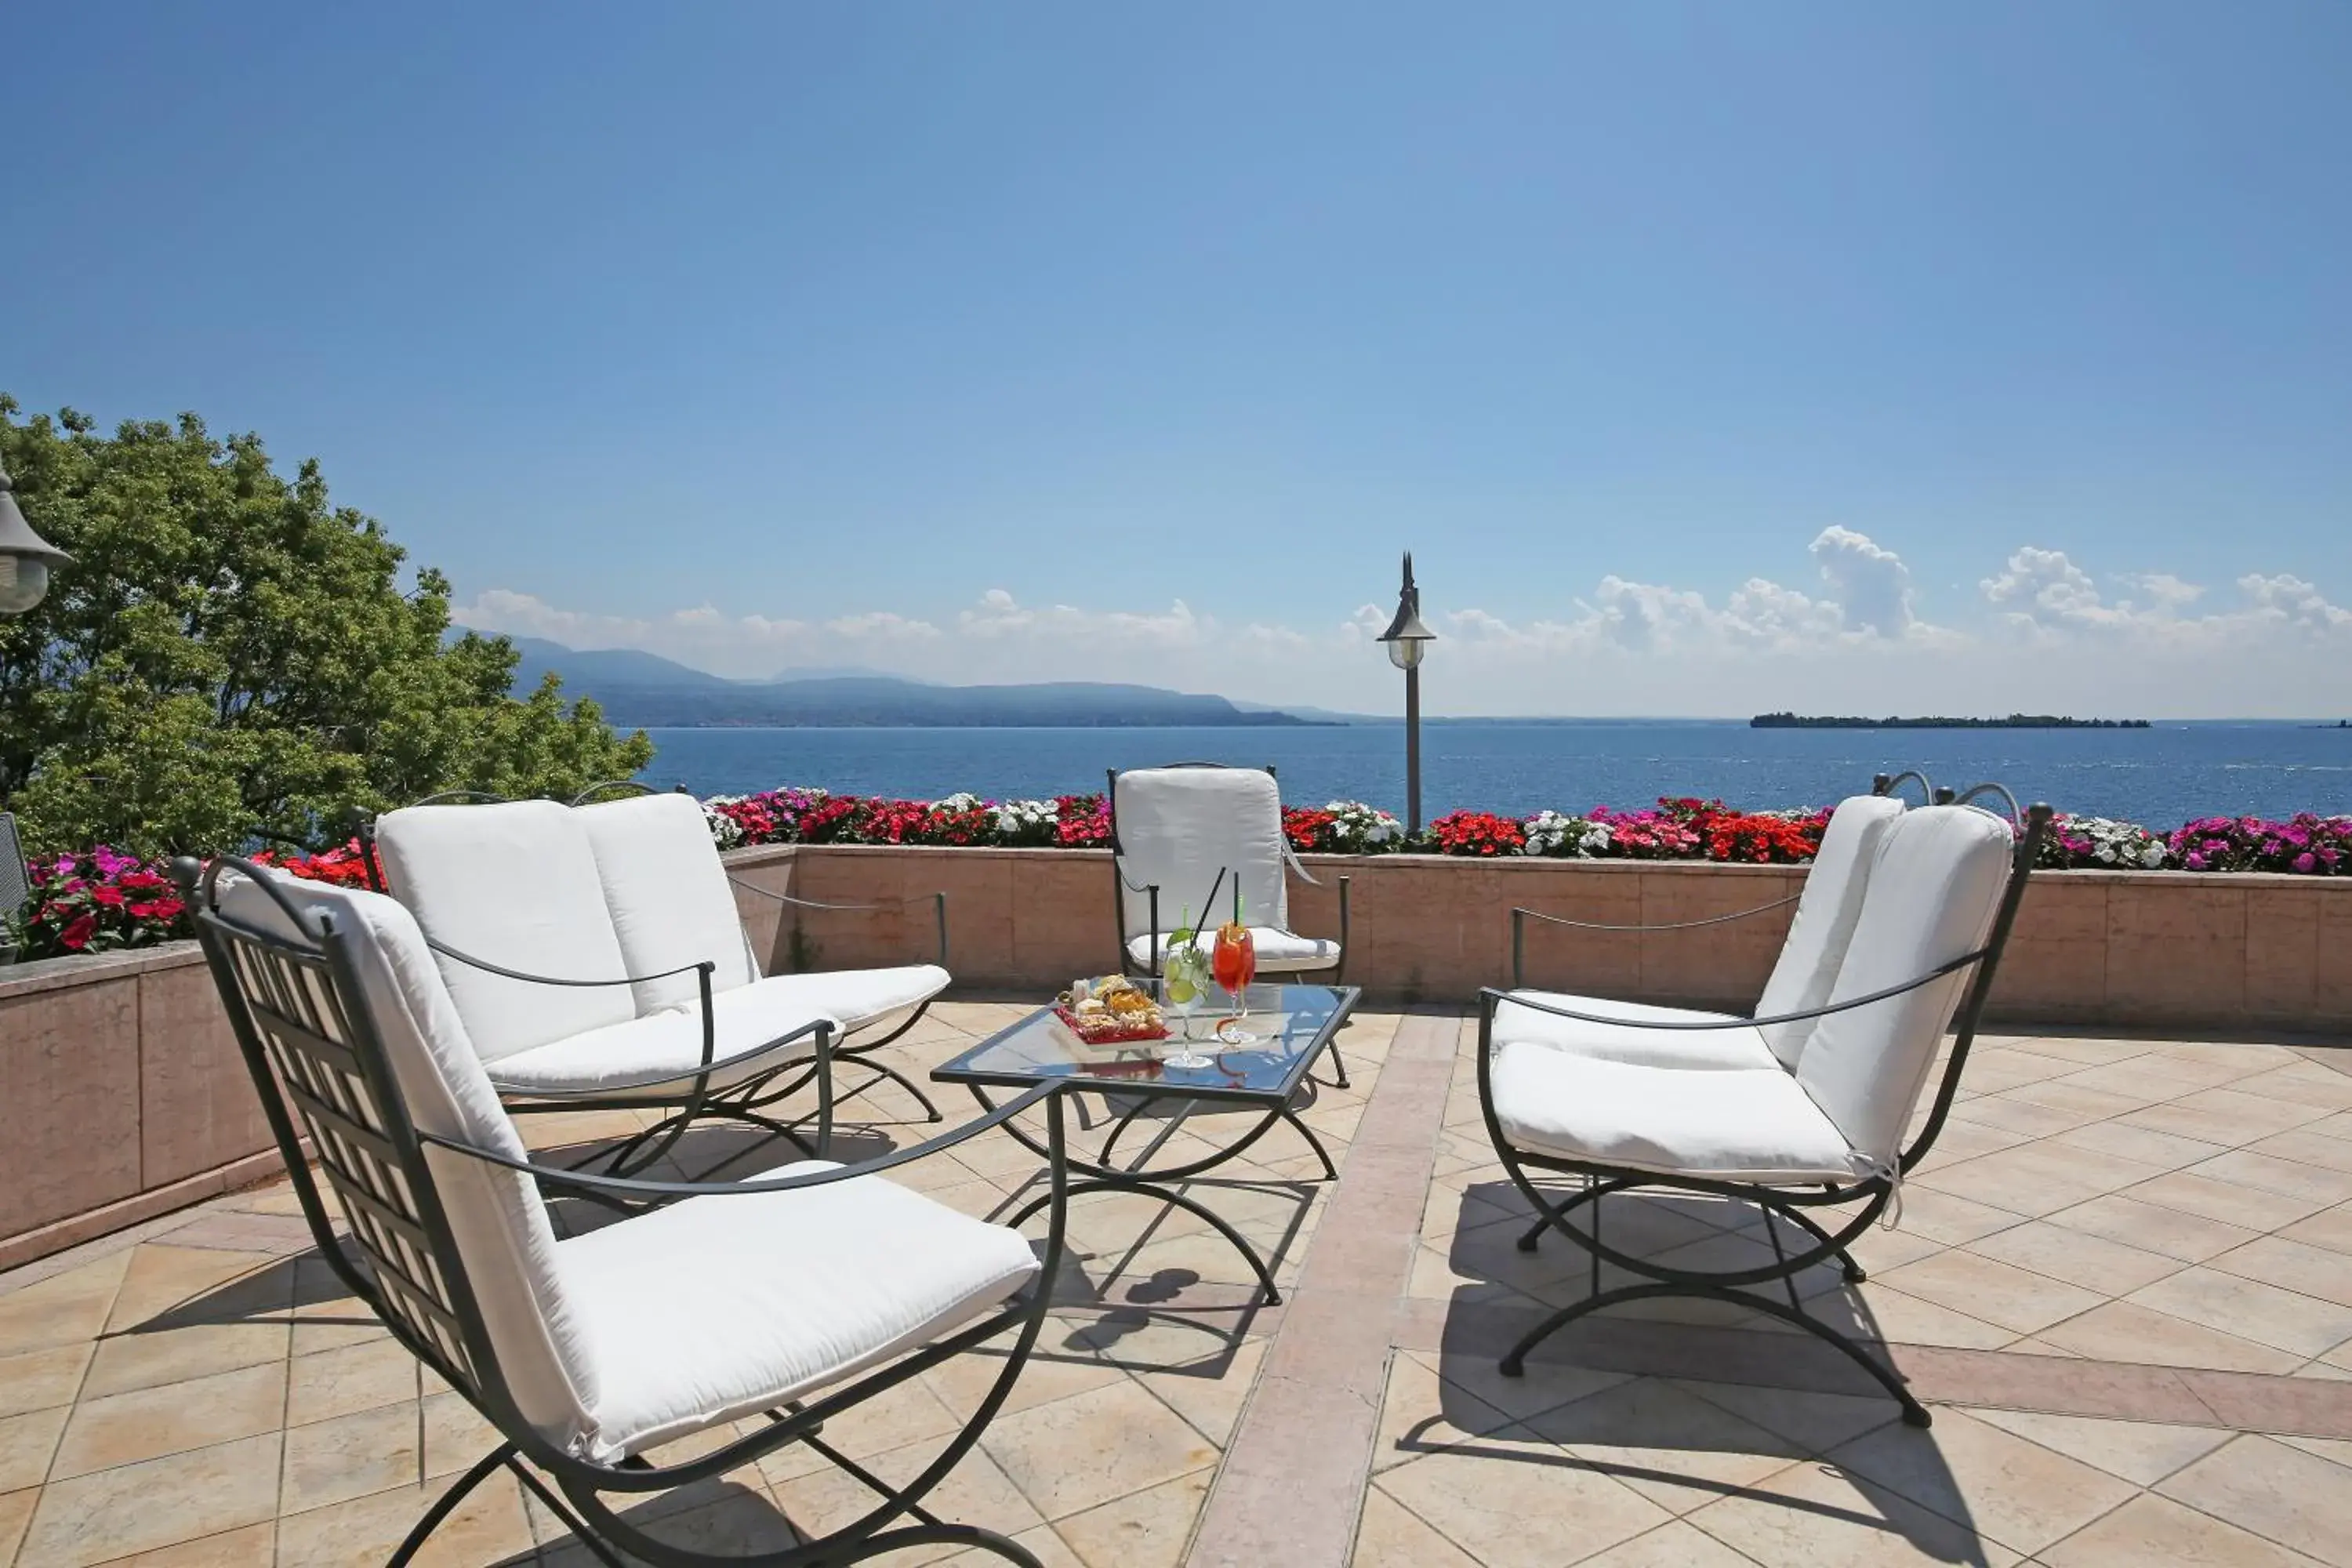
x=1514 y=1363
x=484 y=1467
x=1854 y=1272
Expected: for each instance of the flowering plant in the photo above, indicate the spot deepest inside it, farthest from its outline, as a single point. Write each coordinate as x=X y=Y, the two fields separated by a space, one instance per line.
x=1656 y=835
x=1028 y=823
x=2100 y=842
x=97 y=901
x=771 y=817
x=1083 y=820
x=1765 y=837
x=2307 y=845
x=345 y=865
x=1477 y=833
x=1559 y=835
x=1342 y=827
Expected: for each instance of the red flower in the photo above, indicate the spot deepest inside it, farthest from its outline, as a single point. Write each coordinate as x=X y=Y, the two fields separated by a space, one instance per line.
x=75 y=937
x=1477 y=833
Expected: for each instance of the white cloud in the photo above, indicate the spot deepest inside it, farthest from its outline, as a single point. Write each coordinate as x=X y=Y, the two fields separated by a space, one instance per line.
x=1872 y=586
x=2044 y=635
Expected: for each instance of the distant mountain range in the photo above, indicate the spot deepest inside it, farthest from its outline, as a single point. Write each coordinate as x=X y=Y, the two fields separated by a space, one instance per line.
x=645 y=690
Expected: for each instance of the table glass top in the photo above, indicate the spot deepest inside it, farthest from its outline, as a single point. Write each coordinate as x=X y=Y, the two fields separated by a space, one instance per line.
x=1262 y=1055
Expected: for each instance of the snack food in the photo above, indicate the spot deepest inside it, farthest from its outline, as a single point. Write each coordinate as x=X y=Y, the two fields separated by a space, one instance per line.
x=1111 y=1010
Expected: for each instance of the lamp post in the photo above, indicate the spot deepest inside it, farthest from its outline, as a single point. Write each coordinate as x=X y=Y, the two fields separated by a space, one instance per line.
x=1407 y=641
x=24 y=556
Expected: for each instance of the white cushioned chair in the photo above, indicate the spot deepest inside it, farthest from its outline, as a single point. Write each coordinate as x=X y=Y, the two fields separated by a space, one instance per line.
x=798 y=1294
x=1183 y=837
x=1787 y=1120
x=578 y=941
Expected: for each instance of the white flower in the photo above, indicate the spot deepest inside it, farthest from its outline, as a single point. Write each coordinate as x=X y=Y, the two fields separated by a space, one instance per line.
x=963 y=802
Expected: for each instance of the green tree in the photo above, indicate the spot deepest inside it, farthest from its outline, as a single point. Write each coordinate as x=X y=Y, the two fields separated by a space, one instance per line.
x=228 y=655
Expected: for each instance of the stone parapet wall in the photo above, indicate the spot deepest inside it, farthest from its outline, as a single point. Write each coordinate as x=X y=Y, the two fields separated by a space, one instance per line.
x=123 y=1094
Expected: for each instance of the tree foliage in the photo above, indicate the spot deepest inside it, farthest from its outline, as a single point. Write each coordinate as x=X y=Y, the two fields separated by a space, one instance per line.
x=230 y=656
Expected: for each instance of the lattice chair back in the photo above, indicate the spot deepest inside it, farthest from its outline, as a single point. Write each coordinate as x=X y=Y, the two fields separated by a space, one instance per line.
x=345 y=1012
x=1177 y=828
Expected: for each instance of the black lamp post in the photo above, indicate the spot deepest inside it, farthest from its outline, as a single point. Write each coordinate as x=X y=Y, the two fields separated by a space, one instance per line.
x=1408 y=640
x=24 y=556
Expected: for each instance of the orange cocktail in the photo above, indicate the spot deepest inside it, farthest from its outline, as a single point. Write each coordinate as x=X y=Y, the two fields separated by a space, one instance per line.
x=1233 y=961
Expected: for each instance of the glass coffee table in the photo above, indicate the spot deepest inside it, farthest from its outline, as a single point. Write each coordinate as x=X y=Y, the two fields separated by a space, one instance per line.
x=1260 y=1066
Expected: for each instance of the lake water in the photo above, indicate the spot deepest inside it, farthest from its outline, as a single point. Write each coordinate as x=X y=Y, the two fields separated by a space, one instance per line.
x=2160 y=776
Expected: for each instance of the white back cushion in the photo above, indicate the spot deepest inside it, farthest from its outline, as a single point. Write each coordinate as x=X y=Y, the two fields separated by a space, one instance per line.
x=504 y=1241
x=515 y=884
x=1178 y=828
x=1932 y=895
x=667 y=894
x=1826 y=913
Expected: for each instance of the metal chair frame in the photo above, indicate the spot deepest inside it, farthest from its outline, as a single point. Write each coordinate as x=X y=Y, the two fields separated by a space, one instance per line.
x=313 y=1050
x=746 y=1102
x=1778 y=1202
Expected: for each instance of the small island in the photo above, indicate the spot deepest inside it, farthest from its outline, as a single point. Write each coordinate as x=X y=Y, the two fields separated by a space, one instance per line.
x=2014 y=721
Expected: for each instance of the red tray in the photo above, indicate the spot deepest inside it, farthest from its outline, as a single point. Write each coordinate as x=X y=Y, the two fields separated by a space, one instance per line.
x=1113 y=1034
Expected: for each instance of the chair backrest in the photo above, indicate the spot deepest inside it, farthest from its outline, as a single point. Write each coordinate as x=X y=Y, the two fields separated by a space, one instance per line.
x=1176 y=829
x=516 y=883
x=343 y=1012
x=1934 y=889
x=667 y=892
x=1826 y=912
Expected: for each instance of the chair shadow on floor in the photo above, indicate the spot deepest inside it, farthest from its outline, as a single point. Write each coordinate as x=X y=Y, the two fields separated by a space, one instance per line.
x=1679 y=1397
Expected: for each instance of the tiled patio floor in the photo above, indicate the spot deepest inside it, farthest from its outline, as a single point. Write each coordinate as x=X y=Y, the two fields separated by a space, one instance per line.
x=2123 y=1280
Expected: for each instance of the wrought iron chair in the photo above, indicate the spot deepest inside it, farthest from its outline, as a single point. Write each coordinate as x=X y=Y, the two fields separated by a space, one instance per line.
x=632 y=886
x=1192 y=830
x=798 y=1295
x=1789 y=1123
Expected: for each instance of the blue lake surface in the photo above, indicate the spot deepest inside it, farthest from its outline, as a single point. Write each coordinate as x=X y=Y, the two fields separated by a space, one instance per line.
x=2161 y=776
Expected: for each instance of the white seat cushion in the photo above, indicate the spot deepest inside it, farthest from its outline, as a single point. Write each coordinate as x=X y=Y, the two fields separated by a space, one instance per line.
x=1734 y=1048
x=867 y=1002
x=656 y=1057
x=667 y=892
x=1278 y=952
x=1827 y=911
x=1754 y=1124
x=514 y=884
x=720 y=1307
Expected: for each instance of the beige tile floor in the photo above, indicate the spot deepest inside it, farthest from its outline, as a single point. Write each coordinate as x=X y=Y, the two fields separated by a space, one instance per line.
x=2125 y=1281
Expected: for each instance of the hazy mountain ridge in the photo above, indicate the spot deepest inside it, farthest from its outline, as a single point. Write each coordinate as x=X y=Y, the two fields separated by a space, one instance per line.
x=644 y=691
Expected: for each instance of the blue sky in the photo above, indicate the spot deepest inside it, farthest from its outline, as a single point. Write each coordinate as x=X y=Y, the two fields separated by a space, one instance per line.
x=1708 y=356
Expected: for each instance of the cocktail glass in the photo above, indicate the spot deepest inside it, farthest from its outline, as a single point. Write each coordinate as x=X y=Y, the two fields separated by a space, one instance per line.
x=1185 y=975
x=1234 y=961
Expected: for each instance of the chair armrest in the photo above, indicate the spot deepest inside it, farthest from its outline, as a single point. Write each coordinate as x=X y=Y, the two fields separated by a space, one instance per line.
x=937 y=900
x=671 y=1192
x=707 y=967
x=1519 y=918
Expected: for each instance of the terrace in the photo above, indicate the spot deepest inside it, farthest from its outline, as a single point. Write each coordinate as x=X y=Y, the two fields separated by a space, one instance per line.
x=2124 y=1279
